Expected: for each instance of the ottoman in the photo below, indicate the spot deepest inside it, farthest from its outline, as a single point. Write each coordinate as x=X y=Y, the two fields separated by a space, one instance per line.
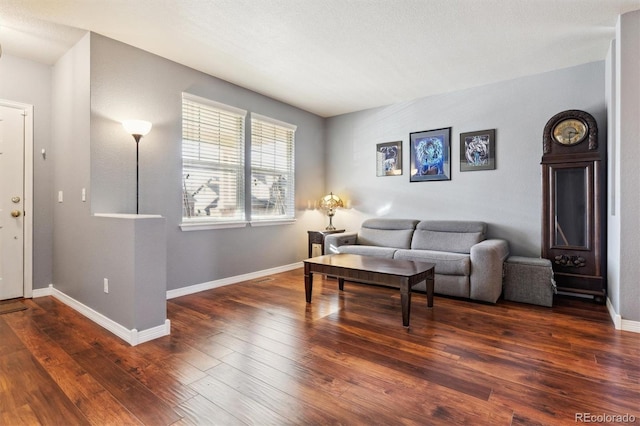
x=529 y=280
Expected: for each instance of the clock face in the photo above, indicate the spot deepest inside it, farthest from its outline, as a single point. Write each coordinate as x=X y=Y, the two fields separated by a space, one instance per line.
x=570 y=131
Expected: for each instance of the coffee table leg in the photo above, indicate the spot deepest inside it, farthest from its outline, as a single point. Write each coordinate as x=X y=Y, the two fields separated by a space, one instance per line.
x=405 y=301
x=430 y=283
x=341 y=283
x=308 y=282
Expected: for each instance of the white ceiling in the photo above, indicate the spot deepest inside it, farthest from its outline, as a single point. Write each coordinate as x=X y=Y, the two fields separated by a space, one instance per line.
x=331 y=57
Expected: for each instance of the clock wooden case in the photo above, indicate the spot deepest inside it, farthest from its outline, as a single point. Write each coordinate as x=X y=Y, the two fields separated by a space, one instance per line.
x=574 y=203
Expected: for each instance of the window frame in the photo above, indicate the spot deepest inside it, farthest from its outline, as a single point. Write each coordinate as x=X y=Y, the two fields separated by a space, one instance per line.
x=290 y=214
x=205 y=222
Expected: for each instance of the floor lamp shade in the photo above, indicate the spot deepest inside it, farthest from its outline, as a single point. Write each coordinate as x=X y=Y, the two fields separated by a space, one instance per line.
x=137 y=127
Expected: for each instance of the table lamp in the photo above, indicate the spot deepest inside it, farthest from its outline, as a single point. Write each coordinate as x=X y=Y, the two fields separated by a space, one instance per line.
x=330 y=203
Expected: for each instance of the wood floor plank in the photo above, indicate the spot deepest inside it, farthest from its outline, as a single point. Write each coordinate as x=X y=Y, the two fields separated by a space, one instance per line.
x=200 y=411
x=239 y=405
x=10 y=342
x=293 y=380
x=287 y=404
x=132 y=394
x=86 y=394
x=27 y=392
x=257 y=353
x=446 y=374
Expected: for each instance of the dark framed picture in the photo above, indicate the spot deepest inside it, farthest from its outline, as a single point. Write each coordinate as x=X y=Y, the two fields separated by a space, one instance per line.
x=389 y=159
x=430 y=155
x=478 y=150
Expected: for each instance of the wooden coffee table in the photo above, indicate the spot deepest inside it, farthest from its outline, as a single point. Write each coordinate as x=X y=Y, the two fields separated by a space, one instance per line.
x=376 y=270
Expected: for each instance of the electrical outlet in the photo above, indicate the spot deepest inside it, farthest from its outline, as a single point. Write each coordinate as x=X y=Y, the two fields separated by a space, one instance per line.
x=106 y=285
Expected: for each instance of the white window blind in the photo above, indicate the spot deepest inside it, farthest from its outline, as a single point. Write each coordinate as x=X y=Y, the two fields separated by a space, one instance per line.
x=272 y=169
x=212 y=161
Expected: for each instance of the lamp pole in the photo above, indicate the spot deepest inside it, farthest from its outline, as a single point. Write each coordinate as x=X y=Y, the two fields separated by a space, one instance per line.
x=137 y=138
x=137 y=129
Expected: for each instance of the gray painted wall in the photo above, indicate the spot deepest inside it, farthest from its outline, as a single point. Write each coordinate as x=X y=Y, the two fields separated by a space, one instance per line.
x=70 y=155
x=627 y=135
x=613 y=167
x=127 y=82
x=130 y=253
x=29 y=82
x=508 y=198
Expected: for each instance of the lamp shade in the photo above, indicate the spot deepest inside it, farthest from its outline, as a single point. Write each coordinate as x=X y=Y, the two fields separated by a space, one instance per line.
x=137 y=127
x=331 y=202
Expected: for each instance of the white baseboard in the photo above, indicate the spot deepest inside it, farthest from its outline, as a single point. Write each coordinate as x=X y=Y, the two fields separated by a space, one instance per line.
x=622 y=324
x=42 y=292
x=133 y=336
x=633 y=326
x=196 y=288
x=617 y=319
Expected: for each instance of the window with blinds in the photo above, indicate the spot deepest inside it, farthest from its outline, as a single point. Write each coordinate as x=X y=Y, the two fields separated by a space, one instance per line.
x=272 y=170
x=212 y=162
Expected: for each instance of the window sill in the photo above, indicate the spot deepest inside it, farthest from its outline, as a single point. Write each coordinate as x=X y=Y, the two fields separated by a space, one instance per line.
x=127 y=215
x=203 y=226
x=272 y=222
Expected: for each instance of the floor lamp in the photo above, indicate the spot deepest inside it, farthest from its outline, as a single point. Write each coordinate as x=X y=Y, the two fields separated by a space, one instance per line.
x=137 y=129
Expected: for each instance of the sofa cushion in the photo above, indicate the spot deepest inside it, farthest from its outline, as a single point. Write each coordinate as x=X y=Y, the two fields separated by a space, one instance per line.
x=447 y=263
x=368 y=250
x=448 y=235
x=394 y=224
x=387 y=232
x=448 y=285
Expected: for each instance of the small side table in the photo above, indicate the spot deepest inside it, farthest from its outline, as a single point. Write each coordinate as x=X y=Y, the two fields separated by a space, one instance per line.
x=316 y=241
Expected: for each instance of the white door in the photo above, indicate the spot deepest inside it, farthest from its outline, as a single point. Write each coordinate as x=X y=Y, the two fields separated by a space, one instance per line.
x=12 y=234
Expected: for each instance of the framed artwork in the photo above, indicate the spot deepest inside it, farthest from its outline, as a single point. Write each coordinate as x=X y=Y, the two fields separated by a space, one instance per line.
x=478 y=150
x=430 y=155
x=389 y=159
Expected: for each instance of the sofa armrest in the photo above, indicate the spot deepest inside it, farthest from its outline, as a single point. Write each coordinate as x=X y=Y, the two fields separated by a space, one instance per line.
x=487 y=259
x=333 y=241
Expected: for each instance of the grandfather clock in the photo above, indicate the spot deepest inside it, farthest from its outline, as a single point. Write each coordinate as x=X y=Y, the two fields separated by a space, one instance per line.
x=574 y=203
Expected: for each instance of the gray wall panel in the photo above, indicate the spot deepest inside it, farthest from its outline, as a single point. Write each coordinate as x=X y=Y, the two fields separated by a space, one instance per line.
x=508 y=198
x=127 y=82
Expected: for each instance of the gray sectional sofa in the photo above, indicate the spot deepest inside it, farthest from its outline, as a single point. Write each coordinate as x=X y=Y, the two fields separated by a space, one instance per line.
x=467 y=264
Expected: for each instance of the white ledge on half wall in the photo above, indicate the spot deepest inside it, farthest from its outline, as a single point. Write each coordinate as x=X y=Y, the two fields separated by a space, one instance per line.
x=127 y=215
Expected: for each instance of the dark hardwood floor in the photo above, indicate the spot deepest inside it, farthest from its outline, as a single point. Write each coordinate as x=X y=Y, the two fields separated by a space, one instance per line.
x=257 y=353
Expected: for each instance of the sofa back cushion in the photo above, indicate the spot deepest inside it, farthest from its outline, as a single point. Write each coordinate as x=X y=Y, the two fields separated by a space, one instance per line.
x=387 y=232
x=448 y=235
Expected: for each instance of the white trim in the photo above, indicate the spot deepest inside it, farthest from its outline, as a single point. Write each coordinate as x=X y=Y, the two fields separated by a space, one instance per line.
x=42 y=292
x=632 y=326
x=196 y=288
x=127 y=216
x=28 y=202
x=214 y=104
x=622 y=324
x=27 y=290
x=150 y=333
x=203 y=226
x=268 y=222
x=266 y=119
x=133 y=336
x=617 y=319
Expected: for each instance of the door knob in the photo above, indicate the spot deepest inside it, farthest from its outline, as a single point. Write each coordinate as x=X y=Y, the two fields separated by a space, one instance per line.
x=15 y=213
